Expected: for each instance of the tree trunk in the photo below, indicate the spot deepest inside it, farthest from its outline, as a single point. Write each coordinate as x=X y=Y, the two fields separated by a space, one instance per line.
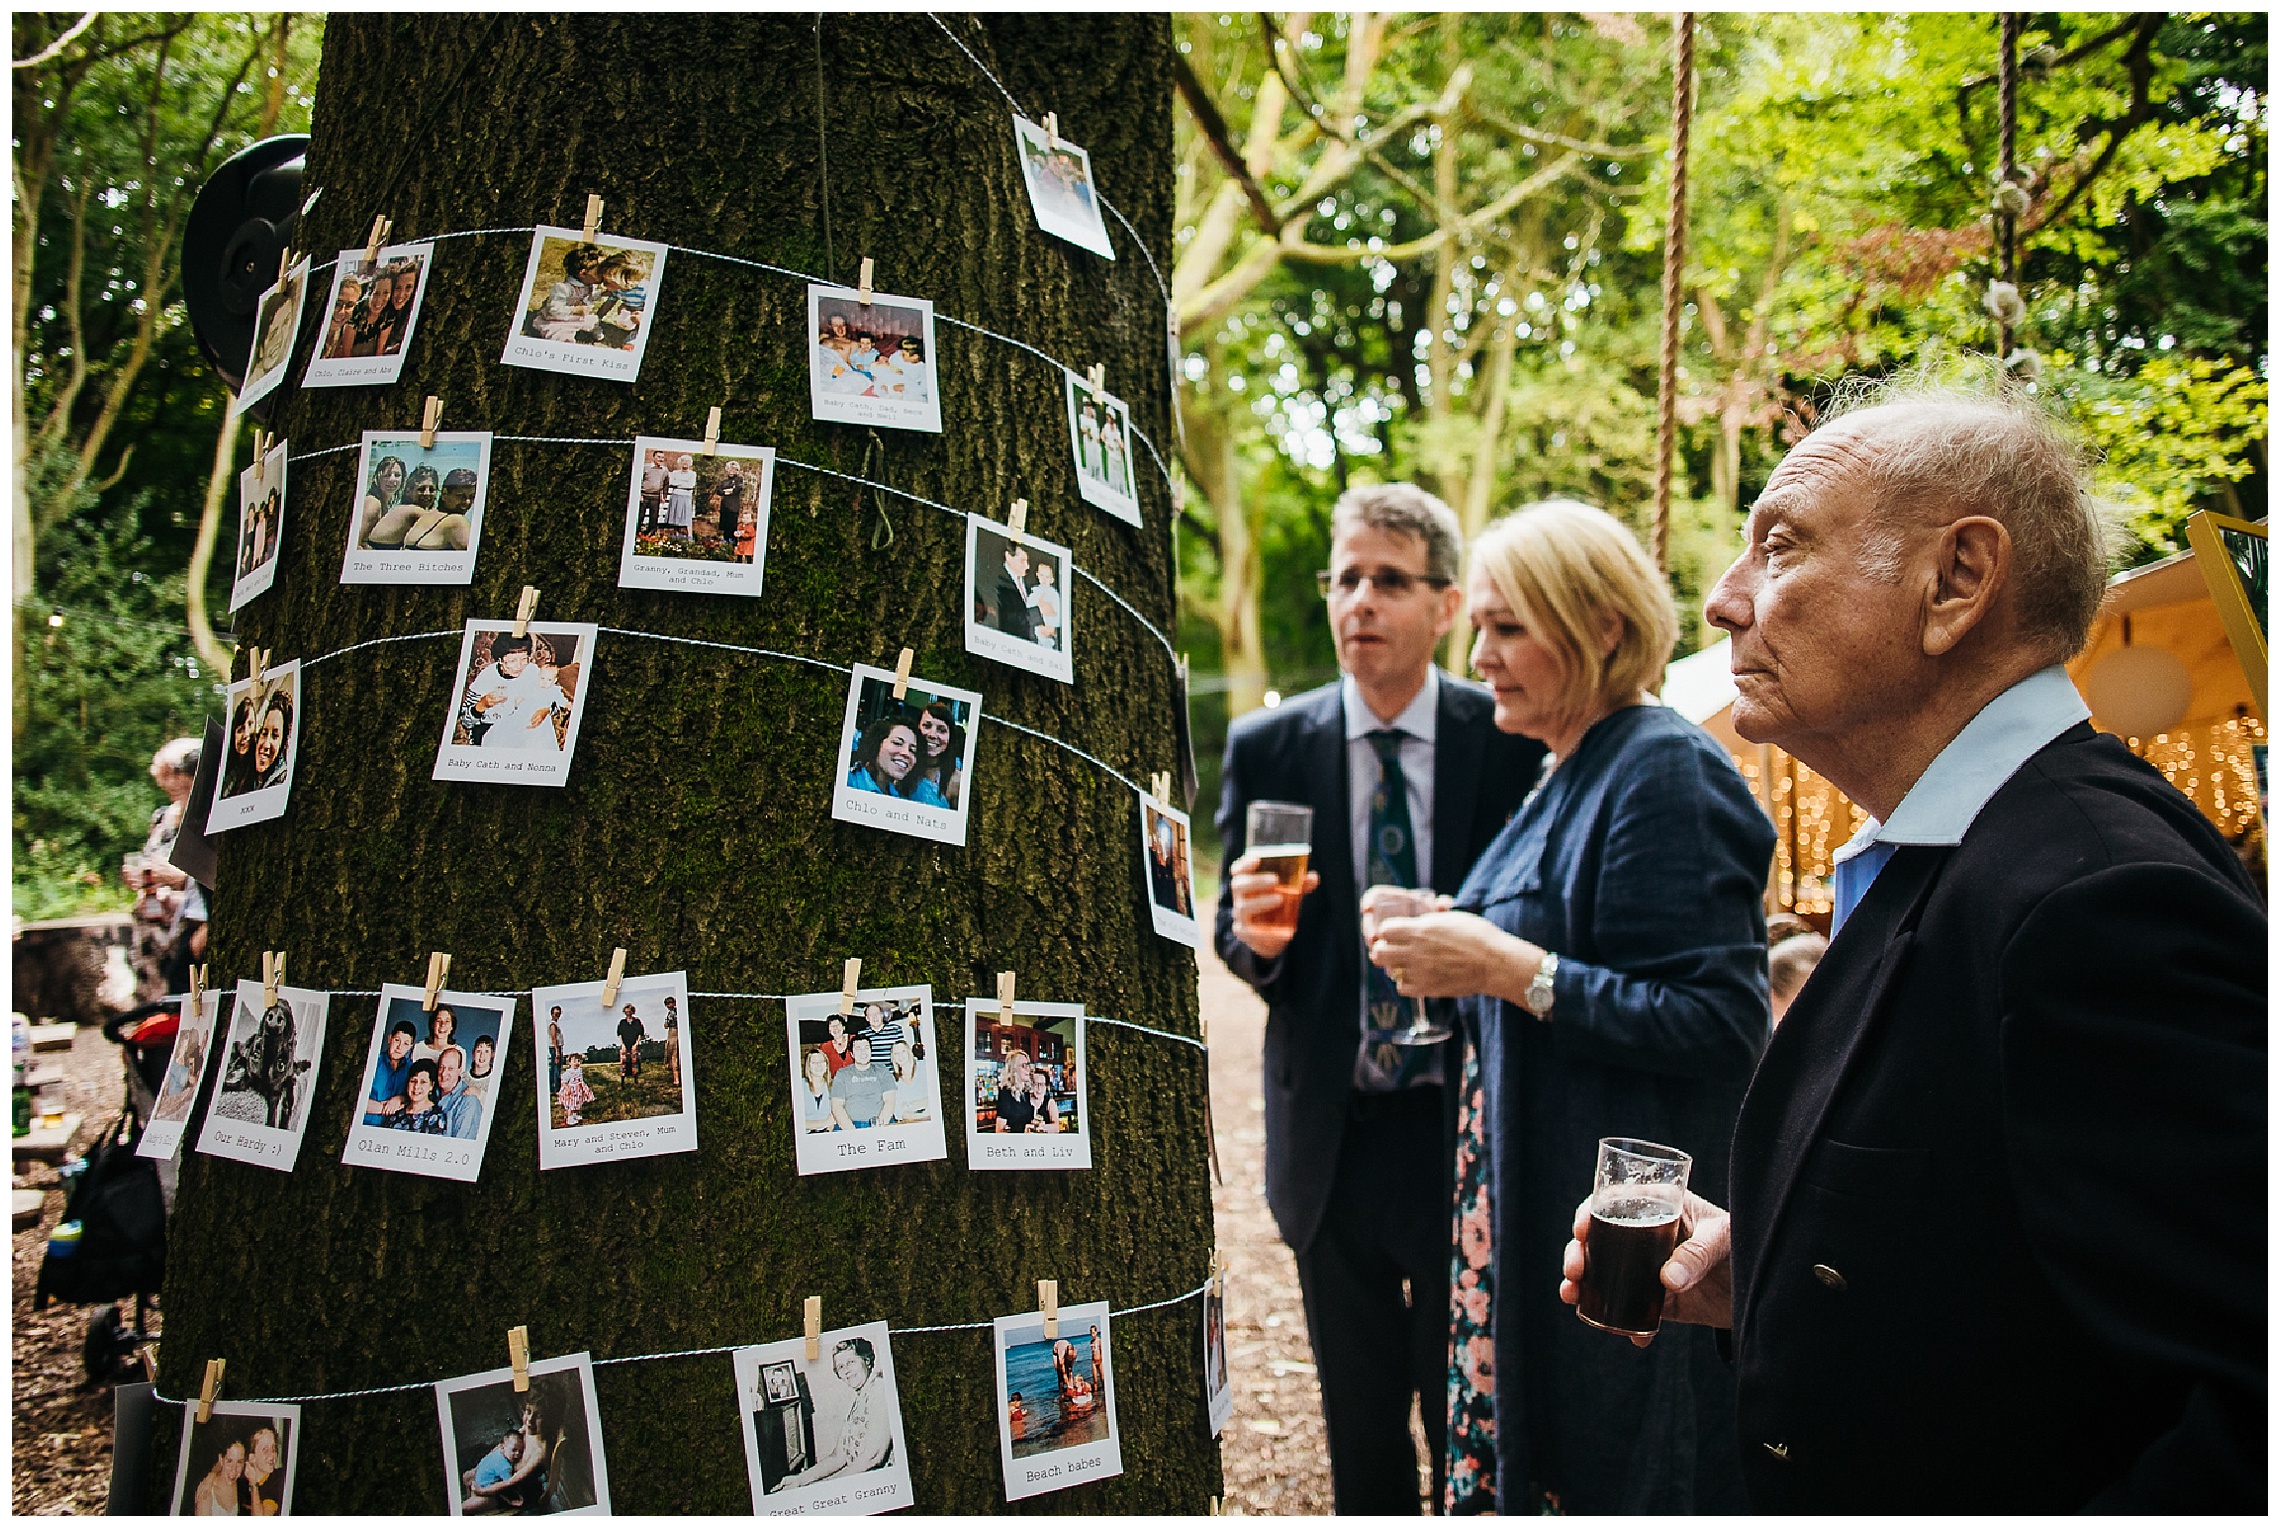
x=695 y=828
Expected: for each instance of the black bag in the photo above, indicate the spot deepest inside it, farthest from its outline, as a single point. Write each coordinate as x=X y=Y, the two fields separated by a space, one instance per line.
x=122 y=1216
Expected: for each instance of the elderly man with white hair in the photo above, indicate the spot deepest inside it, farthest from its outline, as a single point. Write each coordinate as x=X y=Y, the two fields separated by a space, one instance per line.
x=1997 y=1239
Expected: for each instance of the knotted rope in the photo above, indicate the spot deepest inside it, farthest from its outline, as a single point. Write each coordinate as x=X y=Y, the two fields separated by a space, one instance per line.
x=1674 y=266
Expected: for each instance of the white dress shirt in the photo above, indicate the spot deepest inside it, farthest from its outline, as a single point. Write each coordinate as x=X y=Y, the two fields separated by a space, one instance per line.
x=1418 y=724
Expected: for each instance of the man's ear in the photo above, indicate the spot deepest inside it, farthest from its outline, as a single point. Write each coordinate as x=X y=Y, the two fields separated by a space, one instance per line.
x=1971 y=570
x=1452 y=600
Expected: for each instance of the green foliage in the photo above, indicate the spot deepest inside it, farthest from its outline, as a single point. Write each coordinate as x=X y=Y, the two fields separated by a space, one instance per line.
x=2183 y=431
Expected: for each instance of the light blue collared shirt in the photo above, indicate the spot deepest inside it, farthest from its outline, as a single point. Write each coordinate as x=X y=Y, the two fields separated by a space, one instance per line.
x=1949 y=796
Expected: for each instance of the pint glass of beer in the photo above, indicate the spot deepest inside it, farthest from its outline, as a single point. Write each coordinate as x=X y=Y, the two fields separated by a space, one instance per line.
x=1636 y=1203
x=1281 y=834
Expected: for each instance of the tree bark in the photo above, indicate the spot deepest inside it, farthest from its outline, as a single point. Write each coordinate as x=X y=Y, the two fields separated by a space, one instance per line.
x=695 y=828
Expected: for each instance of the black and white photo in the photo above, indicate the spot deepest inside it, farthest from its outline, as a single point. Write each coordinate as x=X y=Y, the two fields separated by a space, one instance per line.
x=1018 y=599
x=1061 y=189
x=1100 y=440
x=370 y=316
x=823 y=1437
x=1025 y=1096
x=269 y=1074
x=696 y=521
x=866 y=1085
x=587 y=305
x=276 y=326
x=417 y=512
x=524 y=1452
x=905 y=764
x=872 y=360
x=261 y=524
x=255 y=780
x=431 y=1083
x=516 y=703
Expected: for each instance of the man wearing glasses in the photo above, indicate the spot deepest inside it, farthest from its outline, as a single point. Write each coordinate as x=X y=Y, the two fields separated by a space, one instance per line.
x=1409 y=780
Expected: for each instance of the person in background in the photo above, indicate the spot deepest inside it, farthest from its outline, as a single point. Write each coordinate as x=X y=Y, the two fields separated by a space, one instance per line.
x=161 y=955
x=1788 y=964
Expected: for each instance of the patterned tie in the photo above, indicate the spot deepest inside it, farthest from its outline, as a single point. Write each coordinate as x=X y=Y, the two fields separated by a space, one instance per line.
x=1391 y=860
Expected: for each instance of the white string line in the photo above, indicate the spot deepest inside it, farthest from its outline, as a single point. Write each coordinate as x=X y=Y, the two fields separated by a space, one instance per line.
x=643 y=1358
x=1082 y=380
x=415 y=636
x=1146 y=1029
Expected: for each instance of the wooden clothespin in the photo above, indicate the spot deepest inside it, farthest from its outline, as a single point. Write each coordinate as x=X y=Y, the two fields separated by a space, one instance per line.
x=863 y=283
x=847 y=978
x=1218 y=1274
x=1215 y=1512
x=1183 y=668
x=617 y=974
x=1049 y=1301
x=211 y=1388
x=1053 y=131
x=197 y=995
x=284 y=264
x=1017 y=517
x=593 y=216
x=257 y=664
x=1160 y=785
x=272 y=976
x=1097 y=378
x=1005 y=997
x=813 y=1319
x=431 y=415
x=902 y=674
x=379 y=236
x=518 y=1354
x=712 y=433
x=260 y=446
x=439 y=967
x=525 y=608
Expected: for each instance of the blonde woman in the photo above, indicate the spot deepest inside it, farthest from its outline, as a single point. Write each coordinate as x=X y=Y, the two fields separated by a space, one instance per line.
x=1609 y=947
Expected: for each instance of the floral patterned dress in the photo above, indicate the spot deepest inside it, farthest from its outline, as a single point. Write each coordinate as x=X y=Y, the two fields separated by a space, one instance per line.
x=1471 y=1486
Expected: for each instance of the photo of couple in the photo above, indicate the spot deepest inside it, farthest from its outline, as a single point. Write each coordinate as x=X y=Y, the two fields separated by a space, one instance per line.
x=1100 y=438
x=866 y=1086
x=1056 y=1401
x=824 y=1436
x=238 y=1462
x=1017 y=599
x=587 y=304
x=429 y=1096
x=517 y=704
x=276 y=325
x=1061 y=188
x=695 y=520
x=614 y=1078
x=904 y=764
x=256 y=778
x=374 y=307
x=269 y=1060
x=261 y=521
x=872 y=362
x=1170 y=868
x=1024 y=1087
x=527 y=1452
x=418 y=516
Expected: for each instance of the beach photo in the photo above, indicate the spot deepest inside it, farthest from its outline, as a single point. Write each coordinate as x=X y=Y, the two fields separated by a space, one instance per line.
x=430 y=1083
x=524 y=1452
x=1059 y=175
x=1018 y=599
x=866 y=1087
x=1168 y=864
x=903 y=765
x=1056 y=1401
x=614 y=1079
x=417 y=515
x=269 y=1064
x=255 y=781
x=261 y=522
x=516 y=703
x=587 y=304
x=823 y=1438
x=186 y=1070
x=697 y=521
x=1025 y=1087
x=239 y=1462
x=276 y=325
x=872 y=362
x=369 y=316
x=1100 y=440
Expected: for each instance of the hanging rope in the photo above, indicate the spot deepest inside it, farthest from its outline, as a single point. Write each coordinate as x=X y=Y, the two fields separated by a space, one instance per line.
x=2003 y=300
x=1674 y=266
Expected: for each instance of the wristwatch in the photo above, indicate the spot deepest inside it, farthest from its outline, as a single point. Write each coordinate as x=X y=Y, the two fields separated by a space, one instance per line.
x=1538 y=998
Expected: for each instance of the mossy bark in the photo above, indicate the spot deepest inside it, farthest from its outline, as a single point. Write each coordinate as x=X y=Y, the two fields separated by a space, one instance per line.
x=695 y=828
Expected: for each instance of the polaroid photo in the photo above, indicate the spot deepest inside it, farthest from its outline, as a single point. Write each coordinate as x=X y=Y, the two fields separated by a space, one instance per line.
x=269 y=1067
x=430 y=1083
x=1100 y=437
x=256 y=777
x=873 y=362
x=538 y=1450
x=418 y=515
x=1018 y=599
x=1218 y=1393
x=697 y=522
x=1061 y=188
x=186 y=1068
x=276 y=325
x=1056 y=1401
x=261 y=522
x=867 y=1089
x=374 y=308
x=516 y=703
x=904 y=764
x=615 y=1080
x=1024 y=1088
x=1168 y=858
x=823 y=1438
x=587 y=305
x=239 y=1462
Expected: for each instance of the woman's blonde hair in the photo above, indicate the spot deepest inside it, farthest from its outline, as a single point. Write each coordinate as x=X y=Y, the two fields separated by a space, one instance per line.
x=1564 y=568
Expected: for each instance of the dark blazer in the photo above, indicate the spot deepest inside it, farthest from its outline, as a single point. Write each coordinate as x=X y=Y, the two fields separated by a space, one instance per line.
x=1297 y=752
x=1014 y=617
x=1999 y=1183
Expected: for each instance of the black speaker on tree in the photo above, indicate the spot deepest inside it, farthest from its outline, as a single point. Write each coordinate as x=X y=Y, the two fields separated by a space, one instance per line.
x=241 y=224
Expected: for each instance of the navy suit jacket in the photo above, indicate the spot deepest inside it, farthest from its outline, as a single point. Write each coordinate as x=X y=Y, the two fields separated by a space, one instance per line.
x=1999 y=1182
x=1297 y=752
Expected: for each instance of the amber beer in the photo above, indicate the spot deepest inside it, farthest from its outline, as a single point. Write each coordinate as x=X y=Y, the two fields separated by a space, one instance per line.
x=1280 y=836
x=1636 y=1202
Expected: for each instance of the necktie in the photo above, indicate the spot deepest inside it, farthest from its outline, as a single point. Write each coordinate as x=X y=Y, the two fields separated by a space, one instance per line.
x=1390 y=860
x=1853 y=878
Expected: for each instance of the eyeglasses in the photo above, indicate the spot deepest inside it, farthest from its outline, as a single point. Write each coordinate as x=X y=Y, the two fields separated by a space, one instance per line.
x=1393 y=583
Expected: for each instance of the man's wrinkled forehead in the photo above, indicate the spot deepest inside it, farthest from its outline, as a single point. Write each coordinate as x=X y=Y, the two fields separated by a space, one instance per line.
x=1803 y=479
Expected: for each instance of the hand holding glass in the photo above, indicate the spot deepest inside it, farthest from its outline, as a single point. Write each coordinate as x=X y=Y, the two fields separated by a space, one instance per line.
x=1378 y=904
x=1280 y=836
x=1637 y=1199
